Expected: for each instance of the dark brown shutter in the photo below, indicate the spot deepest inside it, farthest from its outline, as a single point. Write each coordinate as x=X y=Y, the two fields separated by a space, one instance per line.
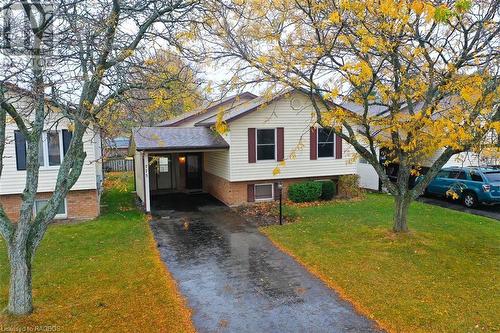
x=280 y=132
x=250 y=193
x=338 y=147
x=20 y=142
x=276 y=192
x=251 y=145
x=313 y=141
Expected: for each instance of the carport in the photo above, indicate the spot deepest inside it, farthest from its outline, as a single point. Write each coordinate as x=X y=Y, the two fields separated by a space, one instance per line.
x=171 y=160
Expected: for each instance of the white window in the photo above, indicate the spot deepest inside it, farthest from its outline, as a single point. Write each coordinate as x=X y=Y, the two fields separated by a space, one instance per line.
x=264 y=192
x=266 y=144
x=326 y=143
x=51 y=149
x=163 y=163
x=61 y=211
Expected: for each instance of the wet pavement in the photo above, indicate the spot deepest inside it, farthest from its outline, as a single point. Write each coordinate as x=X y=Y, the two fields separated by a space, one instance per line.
x=491 y=211
x=235 y=280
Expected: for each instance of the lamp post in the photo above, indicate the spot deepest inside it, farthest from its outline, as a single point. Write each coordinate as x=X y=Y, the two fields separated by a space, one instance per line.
x=280 y=188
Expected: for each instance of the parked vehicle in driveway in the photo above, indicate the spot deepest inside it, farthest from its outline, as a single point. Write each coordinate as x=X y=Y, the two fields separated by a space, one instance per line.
x=472 y=185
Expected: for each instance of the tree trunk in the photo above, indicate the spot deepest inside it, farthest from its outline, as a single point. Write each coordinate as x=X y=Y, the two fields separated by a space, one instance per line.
x=20 y=293
x=402 y=203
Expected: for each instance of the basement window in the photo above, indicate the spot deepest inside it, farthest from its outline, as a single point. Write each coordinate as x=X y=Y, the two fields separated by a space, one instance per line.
x=264 y=192
x=61 y=211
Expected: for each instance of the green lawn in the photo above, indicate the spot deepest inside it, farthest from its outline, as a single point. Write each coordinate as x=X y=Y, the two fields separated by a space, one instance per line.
x=443 y=276
x=102 y=275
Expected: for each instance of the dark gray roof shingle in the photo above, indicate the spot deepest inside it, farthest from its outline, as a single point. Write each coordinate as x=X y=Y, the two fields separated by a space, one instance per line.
x=208 y=109
x=177 y=138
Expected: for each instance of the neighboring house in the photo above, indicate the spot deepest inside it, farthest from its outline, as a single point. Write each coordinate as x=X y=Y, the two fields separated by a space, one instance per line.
x=185 y=154
x=116 y=155
x=82 y=202
x=368 y=177
x=116 y=147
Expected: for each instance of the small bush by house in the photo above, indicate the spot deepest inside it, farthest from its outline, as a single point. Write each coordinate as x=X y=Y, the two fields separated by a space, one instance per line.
x=305 y=191
x=349 y=186
x=328 y=190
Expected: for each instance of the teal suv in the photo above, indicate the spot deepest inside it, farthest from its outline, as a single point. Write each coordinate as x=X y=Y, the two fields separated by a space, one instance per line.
x=469 y=184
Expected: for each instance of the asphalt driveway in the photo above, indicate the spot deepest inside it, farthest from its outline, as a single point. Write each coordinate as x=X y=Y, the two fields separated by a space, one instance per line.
x=492 y=212
x=235 y=280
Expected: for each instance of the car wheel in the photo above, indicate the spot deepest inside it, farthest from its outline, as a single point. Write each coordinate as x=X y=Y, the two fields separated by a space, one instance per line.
x=470 y=200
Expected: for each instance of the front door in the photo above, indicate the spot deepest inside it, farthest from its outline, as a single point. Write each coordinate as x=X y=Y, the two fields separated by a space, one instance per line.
x=193 y=172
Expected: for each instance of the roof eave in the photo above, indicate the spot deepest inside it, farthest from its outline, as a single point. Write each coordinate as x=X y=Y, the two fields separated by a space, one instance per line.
x=180 y=149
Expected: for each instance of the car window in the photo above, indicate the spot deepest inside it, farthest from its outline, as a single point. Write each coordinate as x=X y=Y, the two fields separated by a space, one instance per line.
x=443 y=174
x=476 y=177
x=457 y=174
x=493 y=176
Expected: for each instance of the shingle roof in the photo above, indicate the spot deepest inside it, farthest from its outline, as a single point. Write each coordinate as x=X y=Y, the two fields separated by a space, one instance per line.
x=119 y=142
x=373 y=110
x=241 y=109
x=208 y=109
x=177 y=138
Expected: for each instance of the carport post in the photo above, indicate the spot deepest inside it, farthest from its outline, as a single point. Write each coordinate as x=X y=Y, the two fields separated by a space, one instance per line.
x=147 y=198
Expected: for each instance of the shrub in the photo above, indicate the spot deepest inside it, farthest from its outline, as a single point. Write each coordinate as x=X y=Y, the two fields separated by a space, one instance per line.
x=349 y=186
x=305 y=191
x=328 y=190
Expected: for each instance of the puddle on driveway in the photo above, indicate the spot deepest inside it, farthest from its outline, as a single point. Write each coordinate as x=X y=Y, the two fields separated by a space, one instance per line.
x=235 y=280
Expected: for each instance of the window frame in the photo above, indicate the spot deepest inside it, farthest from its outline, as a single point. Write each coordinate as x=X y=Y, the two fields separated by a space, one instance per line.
x=334 y=143
x=455 y=174
x=473 y=173
x=45 y=148
x=57 y=216
x=163 y=164
x=263 y=199
x=265 y=144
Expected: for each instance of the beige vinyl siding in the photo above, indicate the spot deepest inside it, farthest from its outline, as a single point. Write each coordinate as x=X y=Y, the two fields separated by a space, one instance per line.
x=296 y=114
x=139 y=175
x=13 y=181
x=217 y=163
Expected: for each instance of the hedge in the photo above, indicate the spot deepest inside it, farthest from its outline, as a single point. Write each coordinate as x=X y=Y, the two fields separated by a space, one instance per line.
x=305 y=191
x=328 y=190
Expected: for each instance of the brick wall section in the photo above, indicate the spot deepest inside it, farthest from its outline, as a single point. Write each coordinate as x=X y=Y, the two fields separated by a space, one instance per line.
x=81 y=205
x=218 y=187
x=235 y=193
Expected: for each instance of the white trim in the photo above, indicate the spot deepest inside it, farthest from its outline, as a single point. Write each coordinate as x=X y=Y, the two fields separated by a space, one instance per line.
x=58 y=216
x=333 y=157
x=147 y=197
x=263 y=199
x=45 y=148
x=266 y=144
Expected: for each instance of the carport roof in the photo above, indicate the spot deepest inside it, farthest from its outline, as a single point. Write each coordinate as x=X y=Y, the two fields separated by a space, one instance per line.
x=177 y=138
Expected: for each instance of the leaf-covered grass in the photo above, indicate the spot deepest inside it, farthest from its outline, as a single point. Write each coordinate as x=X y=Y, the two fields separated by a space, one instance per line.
x=102 y=275
x=442 y=277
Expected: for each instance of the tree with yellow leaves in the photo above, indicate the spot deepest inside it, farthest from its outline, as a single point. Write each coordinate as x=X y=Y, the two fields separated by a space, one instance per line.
x=416 y=78
x=162 y=86
x=76 y=57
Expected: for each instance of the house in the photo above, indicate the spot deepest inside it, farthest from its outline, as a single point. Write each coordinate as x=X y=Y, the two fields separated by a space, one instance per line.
x=368 y=177
x=82 y=202
x=185 y=154
x=116 y=147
